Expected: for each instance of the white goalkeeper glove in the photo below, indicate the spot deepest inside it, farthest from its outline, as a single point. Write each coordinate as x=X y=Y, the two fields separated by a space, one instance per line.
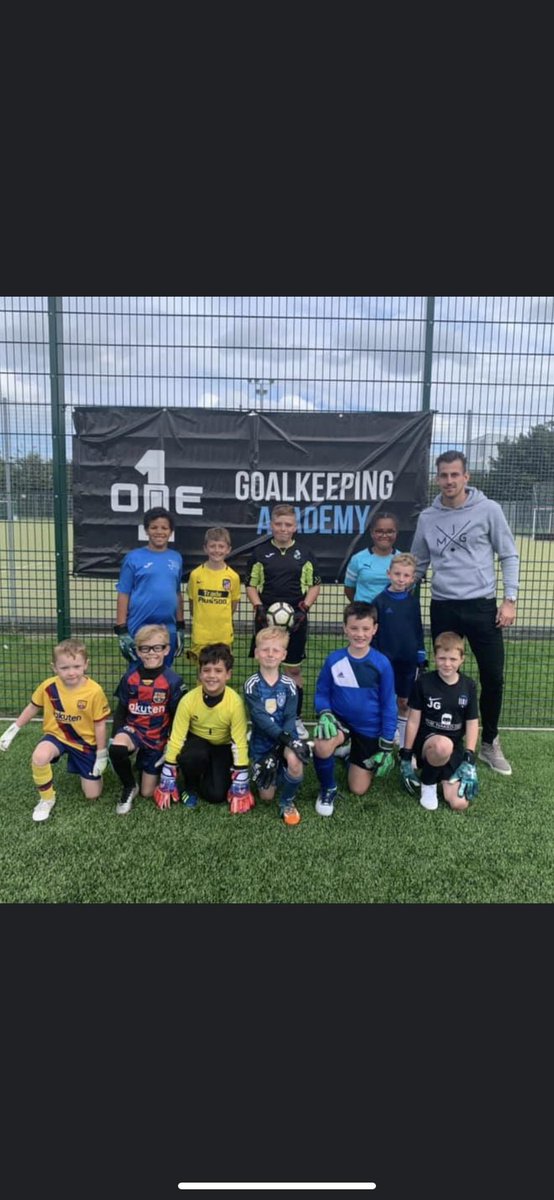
x=100 y=763
x=7 y=737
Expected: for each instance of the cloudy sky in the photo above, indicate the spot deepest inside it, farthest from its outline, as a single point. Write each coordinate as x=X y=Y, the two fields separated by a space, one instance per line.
x=492 y=373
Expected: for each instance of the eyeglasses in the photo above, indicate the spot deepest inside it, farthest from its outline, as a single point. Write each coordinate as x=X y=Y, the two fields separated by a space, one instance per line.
x=152 y=649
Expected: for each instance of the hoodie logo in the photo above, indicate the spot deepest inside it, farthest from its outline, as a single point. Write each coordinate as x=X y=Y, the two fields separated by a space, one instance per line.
x=453 y=541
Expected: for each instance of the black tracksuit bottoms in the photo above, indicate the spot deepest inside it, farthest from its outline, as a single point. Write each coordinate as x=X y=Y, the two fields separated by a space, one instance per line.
x=476 y=620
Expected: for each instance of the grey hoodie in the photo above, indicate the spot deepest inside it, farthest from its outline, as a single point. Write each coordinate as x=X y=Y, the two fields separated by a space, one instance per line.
x=460 y=544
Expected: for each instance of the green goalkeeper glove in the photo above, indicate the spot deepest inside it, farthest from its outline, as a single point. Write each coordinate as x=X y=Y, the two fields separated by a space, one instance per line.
x=328 y=725
x=409 y=776
x=126 y=643
x=467 y=775
x=382 y=762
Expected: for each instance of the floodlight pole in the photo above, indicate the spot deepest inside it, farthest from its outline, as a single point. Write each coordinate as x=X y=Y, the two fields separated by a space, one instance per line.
x=12 y=588
x=260 y=390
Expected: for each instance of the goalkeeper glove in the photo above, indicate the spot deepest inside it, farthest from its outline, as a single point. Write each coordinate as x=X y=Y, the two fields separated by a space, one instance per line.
x=180 y=639
x=297 y=745
x=466 y=774
x=167 y=789
x=260 y=616
x=422 y=662
x=409 y=776
x=100 y=763
x=239 y=795
x=328 y=725
x=264 y=772
x=7 y=737
x=126 y=642
x=382 y=762
x=300 y=616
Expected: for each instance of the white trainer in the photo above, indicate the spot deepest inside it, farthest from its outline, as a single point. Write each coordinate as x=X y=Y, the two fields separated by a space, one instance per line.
x=42 y=810
x=491 y=753
x=429 y=798
x=302 y=731
x=325 y=803
x=126 y=803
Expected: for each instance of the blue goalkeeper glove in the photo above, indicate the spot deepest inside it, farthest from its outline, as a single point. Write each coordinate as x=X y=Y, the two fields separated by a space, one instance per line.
x=422 y=662
x=126 y=643
x=239 y=795
x=382 y=762
x=466 y=774
x=180 y=639
x=408 y=775
x=328 y=725
x=264 y=772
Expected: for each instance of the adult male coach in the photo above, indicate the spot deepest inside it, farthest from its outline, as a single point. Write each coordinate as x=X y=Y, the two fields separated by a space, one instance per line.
x=281 y=569
x=459 y=536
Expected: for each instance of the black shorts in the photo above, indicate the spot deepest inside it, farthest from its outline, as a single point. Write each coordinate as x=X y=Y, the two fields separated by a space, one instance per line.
x=449 y=767
x=362 y=747
x=296 y=649
x=404 y=676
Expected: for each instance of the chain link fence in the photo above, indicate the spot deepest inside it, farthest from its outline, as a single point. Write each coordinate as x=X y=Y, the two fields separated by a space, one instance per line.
x=483 y=365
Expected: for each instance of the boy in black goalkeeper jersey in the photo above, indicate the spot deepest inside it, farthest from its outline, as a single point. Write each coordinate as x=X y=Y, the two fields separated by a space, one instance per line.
x=281 y=569
x=148 y=695
x=443 y=712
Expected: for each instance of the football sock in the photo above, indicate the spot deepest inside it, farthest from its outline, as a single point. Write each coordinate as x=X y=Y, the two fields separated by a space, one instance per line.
x=300 y=700
x=289 y=790
x=120 y=758
x=44 y=779
x=402 y=722
x=325 y=771
x=429 y=798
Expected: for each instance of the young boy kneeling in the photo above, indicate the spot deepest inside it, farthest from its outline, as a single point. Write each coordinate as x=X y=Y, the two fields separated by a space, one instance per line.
x=354 y=699
x=277 y=751
x=208 y=720
x=443 y=708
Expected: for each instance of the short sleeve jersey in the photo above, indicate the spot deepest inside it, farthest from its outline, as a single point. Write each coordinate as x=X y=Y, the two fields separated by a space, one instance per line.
x=149 y=701
x=282 y=574
x=152 y=580
x=445 y=707
x=367 y=574
x=69 y=713
x=212 y=594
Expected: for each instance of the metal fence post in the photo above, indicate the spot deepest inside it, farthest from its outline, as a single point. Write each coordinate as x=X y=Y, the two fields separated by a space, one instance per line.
x=59 y=466
x=428 y=358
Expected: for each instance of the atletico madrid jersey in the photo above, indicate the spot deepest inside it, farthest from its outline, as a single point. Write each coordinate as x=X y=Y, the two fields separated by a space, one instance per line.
x=70 y=713
x=150 y=699
x=212 y=594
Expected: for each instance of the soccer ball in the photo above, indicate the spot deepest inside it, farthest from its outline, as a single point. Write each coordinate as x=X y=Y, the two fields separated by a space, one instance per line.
x=280 y=613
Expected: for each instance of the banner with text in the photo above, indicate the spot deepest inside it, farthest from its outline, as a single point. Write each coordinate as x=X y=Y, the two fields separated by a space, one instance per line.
x=216 y=467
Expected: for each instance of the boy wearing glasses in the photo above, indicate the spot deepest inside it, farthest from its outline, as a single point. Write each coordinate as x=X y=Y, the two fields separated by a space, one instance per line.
x=148 y=695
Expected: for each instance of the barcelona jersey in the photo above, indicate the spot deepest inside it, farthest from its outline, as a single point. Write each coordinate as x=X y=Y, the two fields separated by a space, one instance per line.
x=70 y=713
x=149 y=699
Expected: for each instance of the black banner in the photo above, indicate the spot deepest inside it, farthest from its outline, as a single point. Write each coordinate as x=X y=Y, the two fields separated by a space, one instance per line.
x=216 y=467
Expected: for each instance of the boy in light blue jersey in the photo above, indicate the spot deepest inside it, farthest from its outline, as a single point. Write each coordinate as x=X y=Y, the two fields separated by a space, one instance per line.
x=354 y=699
x=149 y=588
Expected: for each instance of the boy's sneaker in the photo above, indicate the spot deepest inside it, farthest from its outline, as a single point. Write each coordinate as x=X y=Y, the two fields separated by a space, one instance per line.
x=189 y=801
x=302 y=731
x=42 y=810
x=126 y=802
x=491 y=753
x=325 y=803
x=290 y=815
x=428 y=798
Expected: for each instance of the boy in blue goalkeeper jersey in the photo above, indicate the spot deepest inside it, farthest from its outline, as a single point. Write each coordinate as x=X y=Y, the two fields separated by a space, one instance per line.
x=400 y=632
x=355 y=700
x=278 y=754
